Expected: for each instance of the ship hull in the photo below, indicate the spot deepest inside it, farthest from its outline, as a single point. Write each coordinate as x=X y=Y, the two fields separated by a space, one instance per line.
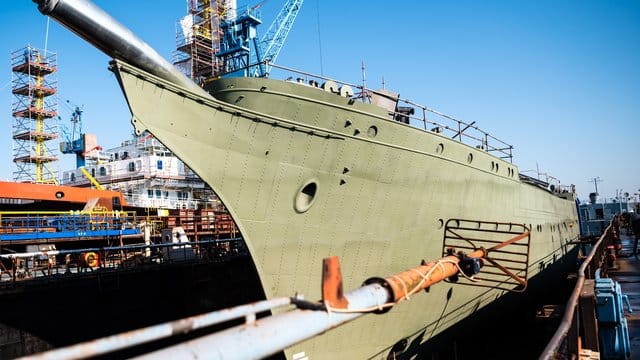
x=307 y=174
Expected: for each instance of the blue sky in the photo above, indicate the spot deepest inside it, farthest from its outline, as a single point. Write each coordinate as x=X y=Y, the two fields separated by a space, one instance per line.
x=558 y=79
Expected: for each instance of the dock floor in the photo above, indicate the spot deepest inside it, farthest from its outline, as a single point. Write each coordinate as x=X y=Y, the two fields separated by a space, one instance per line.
x=627 y=273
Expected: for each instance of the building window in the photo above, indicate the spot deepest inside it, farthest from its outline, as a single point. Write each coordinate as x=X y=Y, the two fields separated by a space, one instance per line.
x=93 y=172
x=166 y=194
x=183 y=195
x=599 y=213
x=159 y=165
x=149 y=193
x=158 y=193
x=73 y=177
x=132 y=167
x=103 y=171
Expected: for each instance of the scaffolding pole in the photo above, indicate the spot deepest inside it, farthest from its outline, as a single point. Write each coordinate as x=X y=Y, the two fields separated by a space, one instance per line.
x=34 y=109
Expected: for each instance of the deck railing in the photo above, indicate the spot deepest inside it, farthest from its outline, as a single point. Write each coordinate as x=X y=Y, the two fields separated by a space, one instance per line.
x=41 y=265
x=43 y=221
x=404 y=110
x=573 y=332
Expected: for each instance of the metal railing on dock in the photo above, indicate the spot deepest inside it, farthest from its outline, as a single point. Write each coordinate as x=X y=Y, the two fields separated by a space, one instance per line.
x=578 y=328
x=25 y=226
x=41 y=265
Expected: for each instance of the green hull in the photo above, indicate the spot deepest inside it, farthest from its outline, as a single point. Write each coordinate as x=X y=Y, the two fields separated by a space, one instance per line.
x=380 y=192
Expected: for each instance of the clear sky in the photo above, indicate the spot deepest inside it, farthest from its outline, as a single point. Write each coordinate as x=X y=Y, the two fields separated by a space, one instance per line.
x=558 y=79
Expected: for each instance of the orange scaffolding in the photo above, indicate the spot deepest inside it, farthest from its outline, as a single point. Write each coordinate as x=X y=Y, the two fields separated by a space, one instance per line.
x=198 y=37
x=34 y=109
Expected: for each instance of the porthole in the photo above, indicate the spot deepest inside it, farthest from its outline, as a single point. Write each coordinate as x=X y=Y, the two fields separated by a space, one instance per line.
x=440 y=148
x=59 y=195
x=493 y=166
x=372 y=132
x=470 y=158
x=440 y=223
x=306 y=196
x=497 y=167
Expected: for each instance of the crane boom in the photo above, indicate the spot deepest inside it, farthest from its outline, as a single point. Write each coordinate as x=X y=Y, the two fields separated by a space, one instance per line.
x=270 y=45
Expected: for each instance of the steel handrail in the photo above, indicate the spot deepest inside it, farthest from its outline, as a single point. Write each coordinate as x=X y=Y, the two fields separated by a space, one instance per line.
x=572 y=303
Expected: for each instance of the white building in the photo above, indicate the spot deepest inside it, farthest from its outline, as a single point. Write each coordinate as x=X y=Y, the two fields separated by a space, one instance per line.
x=147 y=174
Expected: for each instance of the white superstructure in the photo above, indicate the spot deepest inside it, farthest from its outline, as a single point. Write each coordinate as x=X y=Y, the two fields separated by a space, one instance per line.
x=147 y=174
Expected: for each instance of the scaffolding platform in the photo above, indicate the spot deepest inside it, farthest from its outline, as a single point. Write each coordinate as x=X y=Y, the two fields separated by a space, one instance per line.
x=35 y=159
x=29 y=135
x=37 y=68
x=36 y=90
x=32 y=112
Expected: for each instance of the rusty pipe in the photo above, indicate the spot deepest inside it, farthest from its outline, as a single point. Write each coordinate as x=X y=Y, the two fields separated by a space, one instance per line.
x=424 y=276
x=421 y=277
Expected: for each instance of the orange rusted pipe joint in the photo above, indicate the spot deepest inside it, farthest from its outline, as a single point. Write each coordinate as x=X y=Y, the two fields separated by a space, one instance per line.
x=423 y=276
x=332 y=292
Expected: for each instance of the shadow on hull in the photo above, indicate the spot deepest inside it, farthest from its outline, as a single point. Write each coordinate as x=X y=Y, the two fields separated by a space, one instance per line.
x=67 y=310
x=507 y=328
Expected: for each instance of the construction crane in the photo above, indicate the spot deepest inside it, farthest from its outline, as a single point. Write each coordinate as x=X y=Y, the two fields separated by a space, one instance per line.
x=76 y=141
x=269 y=47
x=216 y=27
x=239 y=33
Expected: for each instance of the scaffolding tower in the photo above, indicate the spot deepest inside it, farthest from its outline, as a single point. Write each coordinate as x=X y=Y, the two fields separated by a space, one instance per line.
x=198 y=37
x=34 y=109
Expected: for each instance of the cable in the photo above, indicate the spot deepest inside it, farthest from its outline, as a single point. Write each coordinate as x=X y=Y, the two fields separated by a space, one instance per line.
x=46 y=36
x=319 y=37
x=425 y=277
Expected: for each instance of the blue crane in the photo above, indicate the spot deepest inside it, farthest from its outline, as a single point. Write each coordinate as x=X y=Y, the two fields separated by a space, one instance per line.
x=74 y=143
x=239 y=33
x=273 y=40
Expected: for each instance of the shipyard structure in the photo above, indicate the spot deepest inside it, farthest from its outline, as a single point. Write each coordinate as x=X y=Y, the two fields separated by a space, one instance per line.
x=145 y=172
x=34 y=109
x=314 y=167
x=320 y=177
